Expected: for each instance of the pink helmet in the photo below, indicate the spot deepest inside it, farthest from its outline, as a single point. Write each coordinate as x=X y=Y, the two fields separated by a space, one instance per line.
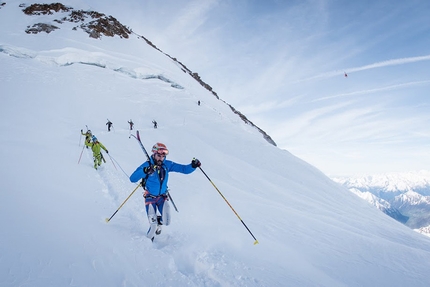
x=160 y=148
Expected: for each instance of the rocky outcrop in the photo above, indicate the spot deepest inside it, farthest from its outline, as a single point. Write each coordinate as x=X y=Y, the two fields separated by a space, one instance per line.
x=94 y=23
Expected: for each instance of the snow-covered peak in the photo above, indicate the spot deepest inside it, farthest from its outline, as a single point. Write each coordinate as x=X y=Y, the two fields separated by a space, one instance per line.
x=389 y=182
x=371 y=198
x=412 y=198
x=424 y=230
x=408 y=194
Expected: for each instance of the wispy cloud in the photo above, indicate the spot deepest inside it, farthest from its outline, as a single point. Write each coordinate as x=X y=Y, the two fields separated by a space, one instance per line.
x=393 y=62
x=190 y=18
x=370 y=91
x=269 y=106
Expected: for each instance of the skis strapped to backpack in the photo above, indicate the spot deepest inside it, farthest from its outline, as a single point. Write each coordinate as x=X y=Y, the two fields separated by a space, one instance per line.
x=137 y=137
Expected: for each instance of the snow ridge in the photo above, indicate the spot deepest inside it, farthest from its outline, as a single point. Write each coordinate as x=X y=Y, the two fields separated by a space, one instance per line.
x=70 y=56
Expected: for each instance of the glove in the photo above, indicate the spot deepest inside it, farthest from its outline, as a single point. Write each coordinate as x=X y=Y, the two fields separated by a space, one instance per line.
x=82 y=131
x=149 y=170
x=107 y=151
x=195 y=163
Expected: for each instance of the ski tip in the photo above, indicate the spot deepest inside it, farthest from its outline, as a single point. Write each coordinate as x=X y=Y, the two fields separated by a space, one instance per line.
x=256 y=242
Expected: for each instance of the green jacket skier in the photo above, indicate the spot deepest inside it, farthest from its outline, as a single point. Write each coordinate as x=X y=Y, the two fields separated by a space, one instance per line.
x=87 y=135
x=96 y=147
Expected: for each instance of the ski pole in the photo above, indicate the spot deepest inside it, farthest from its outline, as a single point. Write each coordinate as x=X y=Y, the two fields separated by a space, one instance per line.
x=81 y=154
x=108 y=219
x=111 y=160
x=114 y=160
x=256 y=241
x=171 y=199
x=113 y=163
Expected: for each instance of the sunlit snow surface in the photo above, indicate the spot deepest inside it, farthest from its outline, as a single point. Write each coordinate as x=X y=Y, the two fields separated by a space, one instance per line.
x=311 y=232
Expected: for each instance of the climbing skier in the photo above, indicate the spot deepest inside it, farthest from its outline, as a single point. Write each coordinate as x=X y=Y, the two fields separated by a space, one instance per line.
x=87 y=135
x=96 y=147
x=109 y=125
x=154 y=175
x=131 y=124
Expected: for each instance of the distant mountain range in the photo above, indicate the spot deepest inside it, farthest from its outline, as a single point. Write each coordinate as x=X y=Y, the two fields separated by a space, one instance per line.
x=402 y=196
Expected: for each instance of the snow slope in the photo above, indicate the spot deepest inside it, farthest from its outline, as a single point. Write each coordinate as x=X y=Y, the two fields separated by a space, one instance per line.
x=311 y=232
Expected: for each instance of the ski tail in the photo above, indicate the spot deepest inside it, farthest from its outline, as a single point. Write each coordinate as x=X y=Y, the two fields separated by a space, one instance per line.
x=137 y=137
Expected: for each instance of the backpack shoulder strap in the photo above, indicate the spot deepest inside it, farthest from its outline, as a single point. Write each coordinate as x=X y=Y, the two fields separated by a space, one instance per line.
x=143 y=182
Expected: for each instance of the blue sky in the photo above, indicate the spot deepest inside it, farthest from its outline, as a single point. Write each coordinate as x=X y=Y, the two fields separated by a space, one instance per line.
x=282 y=64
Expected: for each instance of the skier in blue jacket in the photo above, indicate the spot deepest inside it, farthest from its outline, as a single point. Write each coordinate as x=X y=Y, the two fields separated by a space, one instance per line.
x=154 y=175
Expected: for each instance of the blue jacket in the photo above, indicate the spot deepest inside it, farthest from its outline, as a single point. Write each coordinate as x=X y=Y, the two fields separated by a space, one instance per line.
x=155 y=184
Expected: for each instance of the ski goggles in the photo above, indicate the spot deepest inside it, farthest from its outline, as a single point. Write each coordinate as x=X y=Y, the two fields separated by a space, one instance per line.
x=162 y=152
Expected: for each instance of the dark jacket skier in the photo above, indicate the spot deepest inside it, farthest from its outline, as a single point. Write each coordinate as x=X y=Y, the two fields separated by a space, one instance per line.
x=109 y=125
x=131 y=124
